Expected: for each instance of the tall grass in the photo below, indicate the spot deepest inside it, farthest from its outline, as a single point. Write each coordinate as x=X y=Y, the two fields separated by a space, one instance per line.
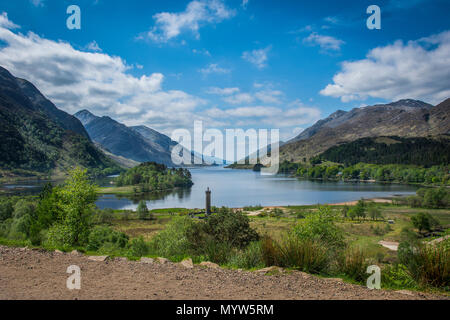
x=353 y=263
x=304 y=255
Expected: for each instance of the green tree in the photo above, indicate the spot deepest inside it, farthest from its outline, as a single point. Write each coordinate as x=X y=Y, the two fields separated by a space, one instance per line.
x=424 y=221
x=76 y=200
x=142 y=210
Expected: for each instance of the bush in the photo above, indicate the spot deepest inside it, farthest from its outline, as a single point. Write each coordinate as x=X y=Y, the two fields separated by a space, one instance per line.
x=138 y=248
x=320 y=227
x=250 y=257
x=99 y=236
x=428 y=264
x=424 y=221
x=172 y=241
x=397 y=277
x=226 y=226
x=59 y=236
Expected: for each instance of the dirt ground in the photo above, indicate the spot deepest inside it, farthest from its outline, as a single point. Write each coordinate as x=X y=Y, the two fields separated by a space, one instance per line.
x=37 y=274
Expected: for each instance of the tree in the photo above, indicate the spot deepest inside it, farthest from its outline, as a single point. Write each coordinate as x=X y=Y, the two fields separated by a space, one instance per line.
x=374 y=213
x=142 y=210
x=424 y=221
x=76 y=200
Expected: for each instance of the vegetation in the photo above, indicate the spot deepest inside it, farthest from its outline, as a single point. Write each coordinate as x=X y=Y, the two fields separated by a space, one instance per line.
x=391 y=150
x=339 y=241
x=392 y=173
x=151 y=176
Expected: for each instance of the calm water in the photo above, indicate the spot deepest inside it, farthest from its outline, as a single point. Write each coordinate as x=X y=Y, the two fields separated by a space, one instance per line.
x=238 y=188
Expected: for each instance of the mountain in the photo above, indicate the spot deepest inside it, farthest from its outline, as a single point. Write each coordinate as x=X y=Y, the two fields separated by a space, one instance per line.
x=392 y=150
x=140 y=143
x=37 y=137
x=403 y=118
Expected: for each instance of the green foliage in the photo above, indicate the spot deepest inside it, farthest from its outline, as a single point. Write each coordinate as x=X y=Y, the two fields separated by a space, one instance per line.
x=428 y=264
x=358 y=210
x=151 y=176
x=424 y=221
x=400 y=173
x=320 y=227
x=172 y=241
x=374 y=213
x=248 y=258
x=353 y=263
x=100 y=236
x=292 y=252
x=77 y=201
x=228 y=226
x=138 y=248
x=397 y=277
x=391 y=150
x=142 y=211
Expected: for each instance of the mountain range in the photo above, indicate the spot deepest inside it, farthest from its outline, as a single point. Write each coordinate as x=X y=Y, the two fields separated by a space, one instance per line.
x=138 y=143
x=403 y=118
x=37 y=137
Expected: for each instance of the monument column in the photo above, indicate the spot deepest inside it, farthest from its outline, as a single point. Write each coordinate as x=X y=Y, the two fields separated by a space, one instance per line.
x=208 y=201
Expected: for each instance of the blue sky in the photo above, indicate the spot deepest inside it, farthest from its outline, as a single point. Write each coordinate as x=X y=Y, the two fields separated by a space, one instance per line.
x=230 y=63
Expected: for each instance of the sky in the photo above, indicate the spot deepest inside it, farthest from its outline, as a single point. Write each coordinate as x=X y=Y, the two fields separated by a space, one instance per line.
x=230 y=63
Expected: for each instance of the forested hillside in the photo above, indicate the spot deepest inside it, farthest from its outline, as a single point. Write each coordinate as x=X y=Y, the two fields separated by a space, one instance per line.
x=392 y=150
x=36 y=137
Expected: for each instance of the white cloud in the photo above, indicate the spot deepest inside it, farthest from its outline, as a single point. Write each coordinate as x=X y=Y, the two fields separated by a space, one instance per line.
x=418 y=69
x=326 y=43
x=269 y=96
x=93 y=46
x=257 y=57
x=239 y=98
x=214 y=68
x=197 y=13
x=76 y=80
x=222 y=91
x=6 y=23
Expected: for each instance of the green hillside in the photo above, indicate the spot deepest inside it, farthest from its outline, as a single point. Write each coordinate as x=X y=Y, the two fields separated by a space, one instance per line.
x=34 y=143
x=392 y=150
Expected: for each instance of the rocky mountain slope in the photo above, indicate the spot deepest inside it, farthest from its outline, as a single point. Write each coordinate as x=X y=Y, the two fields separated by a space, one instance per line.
x=140 y=143
x=37 y=137
x=404 y=118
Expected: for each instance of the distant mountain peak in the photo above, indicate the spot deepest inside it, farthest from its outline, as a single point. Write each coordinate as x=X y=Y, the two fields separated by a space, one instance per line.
x=85 y=116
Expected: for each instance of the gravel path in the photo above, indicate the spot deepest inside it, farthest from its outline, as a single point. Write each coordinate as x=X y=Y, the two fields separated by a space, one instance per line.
x=37 y=274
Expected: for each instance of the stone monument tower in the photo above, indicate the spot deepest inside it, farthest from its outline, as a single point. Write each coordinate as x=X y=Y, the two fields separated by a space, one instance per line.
x=208 y=201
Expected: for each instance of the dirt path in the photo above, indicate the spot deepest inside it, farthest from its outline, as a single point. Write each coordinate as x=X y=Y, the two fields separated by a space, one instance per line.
x=36 y=274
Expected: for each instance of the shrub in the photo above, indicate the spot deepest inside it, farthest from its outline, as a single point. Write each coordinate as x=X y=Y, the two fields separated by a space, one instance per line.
x=138 y=248
x=228 y=226
x=319 y=226
x=424 y=221
x=250 y=257
x=428 y=264
x=99 y=236
x=396 y=276
x=218 y=252
x=173 y=240
x=6 y=209
x=353 y=264
x=59 y=236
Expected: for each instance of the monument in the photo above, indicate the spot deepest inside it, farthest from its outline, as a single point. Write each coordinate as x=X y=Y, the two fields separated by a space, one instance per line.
x=208 y=201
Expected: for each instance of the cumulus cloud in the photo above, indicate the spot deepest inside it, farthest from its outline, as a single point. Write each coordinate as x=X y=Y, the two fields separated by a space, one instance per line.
x=417 y=69
x=197 y=13
x=76 y=80
x=93 y=46
x=326 y=43
x=239 y=98
x=257 y=57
